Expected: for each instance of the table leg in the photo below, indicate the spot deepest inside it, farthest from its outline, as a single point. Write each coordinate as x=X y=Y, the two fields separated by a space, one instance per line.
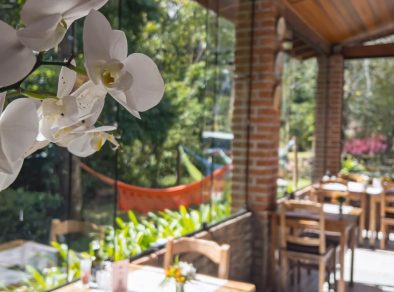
x=362 y=217
x=342 y=244
x=274 y=225
x=372 y=222
x=352 y=246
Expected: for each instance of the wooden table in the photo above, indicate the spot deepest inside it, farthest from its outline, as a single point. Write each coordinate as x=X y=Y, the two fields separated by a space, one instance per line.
x=345 y=225
x=358 y=193
x=147 y=278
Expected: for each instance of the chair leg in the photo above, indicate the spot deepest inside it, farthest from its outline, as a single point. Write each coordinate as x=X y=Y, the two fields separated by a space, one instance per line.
x=383 y=232
x=322 y=275
x=283 y=273
x=298 y=272
x=335 y=271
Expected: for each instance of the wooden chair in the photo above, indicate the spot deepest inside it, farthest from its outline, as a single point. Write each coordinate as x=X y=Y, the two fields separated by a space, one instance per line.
x=324 y=195
x=354 y=177
x=386 y=212
x=359 y=200
x=299 y=248
x=61 y=228
x=219 y=254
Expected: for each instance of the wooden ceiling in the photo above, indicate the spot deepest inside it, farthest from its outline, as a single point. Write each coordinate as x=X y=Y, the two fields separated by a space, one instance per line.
x=325 y=25
x=344 y=21
x=225 y=8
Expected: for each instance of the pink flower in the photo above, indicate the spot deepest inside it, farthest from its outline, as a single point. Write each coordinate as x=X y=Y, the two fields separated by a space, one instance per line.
x=366 y=146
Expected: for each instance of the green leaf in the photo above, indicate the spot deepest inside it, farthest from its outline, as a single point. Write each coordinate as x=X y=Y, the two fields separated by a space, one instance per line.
x=36 y=276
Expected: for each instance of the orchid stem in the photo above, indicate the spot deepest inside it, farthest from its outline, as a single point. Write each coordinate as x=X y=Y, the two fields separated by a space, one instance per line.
x=38 y=64
x=65 y=64
x=37 y=95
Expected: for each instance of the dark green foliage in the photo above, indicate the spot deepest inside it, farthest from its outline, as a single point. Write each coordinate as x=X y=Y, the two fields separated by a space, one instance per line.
x=38 y=211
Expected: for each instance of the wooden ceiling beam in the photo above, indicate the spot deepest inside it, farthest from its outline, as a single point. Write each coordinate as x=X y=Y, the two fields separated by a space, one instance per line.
x=368 y=36
x=372 y=51
x=226 y=8
x=303 y=31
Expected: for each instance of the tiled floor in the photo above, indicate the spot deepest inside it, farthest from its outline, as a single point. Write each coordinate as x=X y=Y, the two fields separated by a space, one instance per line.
x=373 y=272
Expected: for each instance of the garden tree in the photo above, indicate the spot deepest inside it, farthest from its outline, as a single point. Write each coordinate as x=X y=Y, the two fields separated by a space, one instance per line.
x=175 y=35
x=181 y=37
x=298 y=102
x=368 y=99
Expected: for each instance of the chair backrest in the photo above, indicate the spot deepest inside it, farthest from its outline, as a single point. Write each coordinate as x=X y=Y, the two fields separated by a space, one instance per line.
x=219 y=254
x=306 y=215
x=354 y=177
x=334 y=180
x=387 y=205
x=59 y=228
x=324 y=194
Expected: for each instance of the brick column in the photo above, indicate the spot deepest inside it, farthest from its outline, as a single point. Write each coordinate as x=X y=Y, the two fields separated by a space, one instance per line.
x=329 y=97
x=256 y=124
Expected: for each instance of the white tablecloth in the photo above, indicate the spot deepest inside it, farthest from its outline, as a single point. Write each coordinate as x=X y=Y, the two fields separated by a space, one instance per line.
x=353 y=187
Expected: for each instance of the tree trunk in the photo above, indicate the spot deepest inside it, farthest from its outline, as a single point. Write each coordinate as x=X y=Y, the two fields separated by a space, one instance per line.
x=76 y=199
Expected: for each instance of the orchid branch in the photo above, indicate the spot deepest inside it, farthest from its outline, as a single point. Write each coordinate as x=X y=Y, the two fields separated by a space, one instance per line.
x=39 y=63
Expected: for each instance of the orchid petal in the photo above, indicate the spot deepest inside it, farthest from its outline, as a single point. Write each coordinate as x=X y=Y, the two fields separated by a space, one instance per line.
x=83 y=9
x=93 y=69
x=120 y=97
x=67 y=78
x=18 y=128
x=7 y=179
x=102 y=129
x=34 y=10
x=16 y=61
x=96 y=35
x=2 y=100
x=6 y=165
x=90 y=101
x=118 y=49
x=82 y=146
x=36 y=146
x=70 y=113
x=43 y=34
x=46 y=132
x=148 y=85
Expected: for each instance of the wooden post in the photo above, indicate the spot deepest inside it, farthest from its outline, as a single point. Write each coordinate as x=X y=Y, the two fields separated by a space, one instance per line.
x=295 y=168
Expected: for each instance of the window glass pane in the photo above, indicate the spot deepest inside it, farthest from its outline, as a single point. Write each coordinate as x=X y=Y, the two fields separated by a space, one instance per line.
x=296 y=151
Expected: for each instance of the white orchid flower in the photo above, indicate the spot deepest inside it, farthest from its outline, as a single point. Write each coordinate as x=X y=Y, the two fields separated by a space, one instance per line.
x=90 y=141
x=16 y=61
x=47 y=21
x=59 y=116
x=18 y=131
x=7 y=179
x=134 y=81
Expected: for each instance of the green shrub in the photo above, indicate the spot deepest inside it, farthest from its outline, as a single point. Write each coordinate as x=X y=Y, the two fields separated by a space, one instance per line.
x=38 y=210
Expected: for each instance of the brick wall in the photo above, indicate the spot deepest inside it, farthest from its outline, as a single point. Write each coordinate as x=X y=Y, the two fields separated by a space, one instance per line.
x=328 y=115
x=256 y=123
x=236 y=232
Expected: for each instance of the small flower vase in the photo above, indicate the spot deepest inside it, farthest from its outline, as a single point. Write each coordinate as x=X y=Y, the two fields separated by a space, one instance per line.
x=180 y=287
x=119 y=275
x=340 y=209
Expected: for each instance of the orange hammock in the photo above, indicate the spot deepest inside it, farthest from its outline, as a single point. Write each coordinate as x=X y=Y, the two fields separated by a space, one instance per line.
x=146 y=199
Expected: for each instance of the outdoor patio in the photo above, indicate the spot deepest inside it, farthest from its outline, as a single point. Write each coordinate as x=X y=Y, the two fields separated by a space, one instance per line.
x=254 y=139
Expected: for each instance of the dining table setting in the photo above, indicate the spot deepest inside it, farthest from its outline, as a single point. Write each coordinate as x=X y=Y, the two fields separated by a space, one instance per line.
x=352 y=211
x=142 y=278
x=344 y=223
